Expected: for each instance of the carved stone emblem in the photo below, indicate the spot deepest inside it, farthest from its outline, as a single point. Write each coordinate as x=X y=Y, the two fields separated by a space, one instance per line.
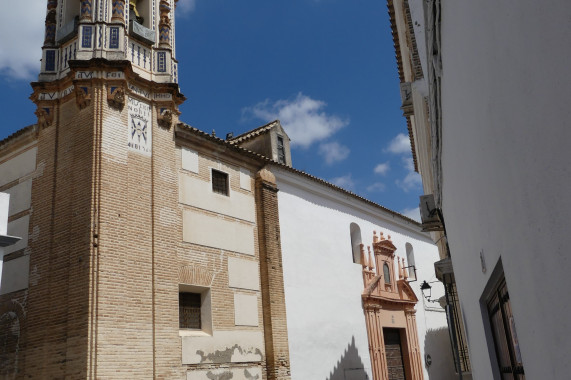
x=116 y=97
x=45 y=116
x=165 y=118
x=82 y=97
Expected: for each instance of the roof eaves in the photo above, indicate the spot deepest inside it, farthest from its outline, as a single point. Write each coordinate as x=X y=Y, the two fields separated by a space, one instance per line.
x=394 y=32
x=267 y=160
x=412 y=146
x=396 y=43
x=17 y=135
x=220 y=141
x=344 y=191
x=253 y=133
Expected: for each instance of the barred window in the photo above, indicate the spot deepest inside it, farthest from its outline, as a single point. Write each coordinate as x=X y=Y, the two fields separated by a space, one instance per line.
x=189 y=310
x=219 y=182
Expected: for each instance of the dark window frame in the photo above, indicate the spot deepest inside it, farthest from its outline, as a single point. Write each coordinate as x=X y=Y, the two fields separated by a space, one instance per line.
x=220 y=182
x=504 y=333
x=189 y=310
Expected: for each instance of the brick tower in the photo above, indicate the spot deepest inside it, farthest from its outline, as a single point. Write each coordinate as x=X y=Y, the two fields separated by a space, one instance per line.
x=150 y=249
x=107 y=99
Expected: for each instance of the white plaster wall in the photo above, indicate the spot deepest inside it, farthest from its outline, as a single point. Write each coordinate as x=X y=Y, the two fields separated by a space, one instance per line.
x=20 y=197
x=196 y=192
x=506 y=172
x=15 y=276
x=245 y=309
x=4 y=207
x=214 y=231
x=19 y=228
x=189 y=160
x=241 y=373
x=322 y=284
x=243 y=274
x=223 y=347
x=18 y=166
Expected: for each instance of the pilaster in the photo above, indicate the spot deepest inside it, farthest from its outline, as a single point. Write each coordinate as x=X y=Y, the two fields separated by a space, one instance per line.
x=271 y=272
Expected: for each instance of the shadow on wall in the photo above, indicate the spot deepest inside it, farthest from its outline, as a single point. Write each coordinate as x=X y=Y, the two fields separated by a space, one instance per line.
x=349 y=366
x=437 y=345
x=9 y=340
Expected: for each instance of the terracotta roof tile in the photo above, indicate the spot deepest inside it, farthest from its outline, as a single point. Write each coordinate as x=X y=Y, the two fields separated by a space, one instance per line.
x=264 y=159
x=14 y=136
x=253 y=133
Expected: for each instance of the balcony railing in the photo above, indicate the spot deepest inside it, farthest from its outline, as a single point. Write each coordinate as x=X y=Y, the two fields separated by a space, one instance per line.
x=141 y=33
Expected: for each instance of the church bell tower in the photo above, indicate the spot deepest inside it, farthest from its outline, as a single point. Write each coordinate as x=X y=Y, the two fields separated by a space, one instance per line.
x=125 y=47
x=107 y=100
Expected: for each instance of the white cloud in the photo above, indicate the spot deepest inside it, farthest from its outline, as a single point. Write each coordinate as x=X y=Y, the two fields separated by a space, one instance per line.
x=346 y=182
x=303 y=118
x=400 y=144
x=333 y=152
x=413 y=213
x=382 y=169
x=22 y=31
x=412 y=180
x=184 y=7
x=376 y=187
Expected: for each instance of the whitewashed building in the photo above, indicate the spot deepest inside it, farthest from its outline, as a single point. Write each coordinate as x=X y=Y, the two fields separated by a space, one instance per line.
x=6 y=240
x=321 y=225
x=486 y=94
x=322 y=228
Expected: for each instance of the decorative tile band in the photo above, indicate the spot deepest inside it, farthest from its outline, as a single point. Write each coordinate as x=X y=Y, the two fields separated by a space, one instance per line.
x=114 y=37
x=86 y=9
x=118 y=10
x=86 y=36
x=50 y=60
x=162 y=62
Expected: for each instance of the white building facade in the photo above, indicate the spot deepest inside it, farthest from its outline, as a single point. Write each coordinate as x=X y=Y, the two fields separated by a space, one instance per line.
x=489 y=132
x=320 y=225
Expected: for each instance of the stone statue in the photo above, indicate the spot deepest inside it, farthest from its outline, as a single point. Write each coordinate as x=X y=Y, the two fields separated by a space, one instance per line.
x=134 y=13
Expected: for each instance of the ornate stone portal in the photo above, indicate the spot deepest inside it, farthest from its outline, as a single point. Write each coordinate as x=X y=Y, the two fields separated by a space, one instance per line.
x=389 y=314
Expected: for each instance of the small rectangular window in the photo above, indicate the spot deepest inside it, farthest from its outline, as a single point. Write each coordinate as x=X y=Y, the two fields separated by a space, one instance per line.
x=220 y=182
x=189 y=310
x=281 y=150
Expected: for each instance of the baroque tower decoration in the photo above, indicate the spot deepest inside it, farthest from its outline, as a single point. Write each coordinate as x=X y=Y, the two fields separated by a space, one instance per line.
x=124 y=48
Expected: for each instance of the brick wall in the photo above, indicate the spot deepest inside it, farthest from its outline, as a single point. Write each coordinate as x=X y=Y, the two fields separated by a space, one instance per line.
x=106 y=246
x=271 y=272
x=56 y=338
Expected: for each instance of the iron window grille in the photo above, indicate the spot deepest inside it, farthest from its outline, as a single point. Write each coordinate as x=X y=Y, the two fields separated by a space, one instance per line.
x=189 y=311
x=456 y=329
x=219 y=182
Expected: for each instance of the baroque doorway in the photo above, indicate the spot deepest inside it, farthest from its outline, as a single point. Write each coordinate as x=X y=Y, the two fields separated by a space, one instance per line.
x=389 y=304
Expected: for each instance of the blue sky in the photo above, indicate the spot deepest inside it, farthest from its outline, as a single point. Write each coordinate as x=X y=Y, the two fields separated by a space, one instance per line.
x=325 y=68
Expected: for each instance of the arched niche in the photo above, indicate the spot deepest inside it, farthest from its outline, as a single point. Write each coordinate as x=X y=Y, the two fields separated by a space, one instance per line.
x=410 y=261
x=356 y=241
